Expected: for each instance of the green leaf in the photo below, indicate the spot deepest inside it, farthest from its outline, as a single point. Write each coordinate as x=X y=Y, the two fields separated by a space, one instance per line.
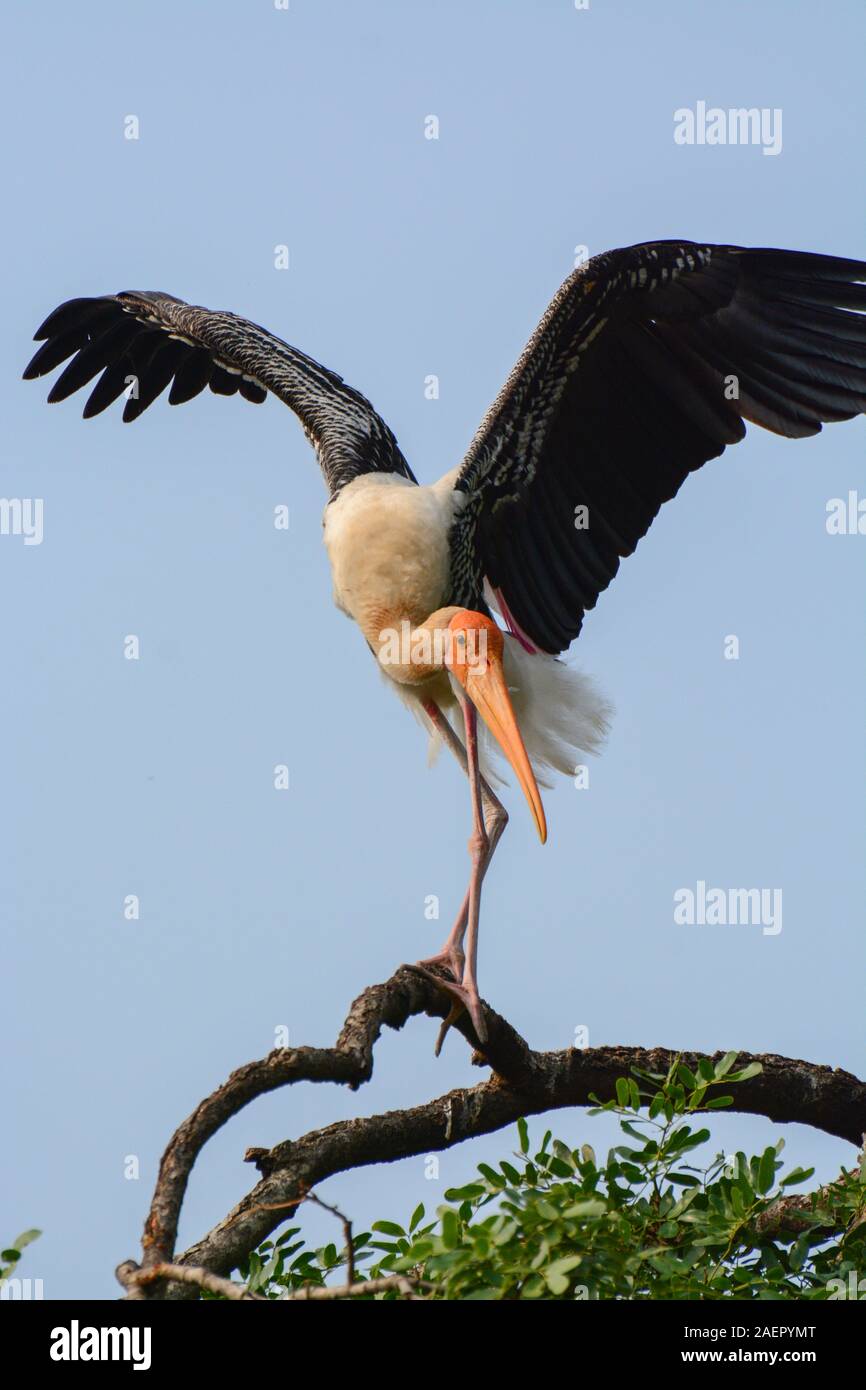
x=688 y=1078
x=631 y=1129
x=388 y=1228
x=557 y=1283
x=723 y=1066
x=288 y=1250
x=564 y=1265
x=534 y=1287
x=26 y=1238
x=800 y=1251
x=797 y=1175
x=767 y=1170
x=450 y=1230
x=287 y=1235
x=636 y=1176
x=683 y=1203
x=622 y=1092
x=719 y=1103
x=585 y=1210
x=523 y=1132
x=417 y=1216
x=421 y=1248
x=753 y=1069
x=470 y=1192
x=560 y=1169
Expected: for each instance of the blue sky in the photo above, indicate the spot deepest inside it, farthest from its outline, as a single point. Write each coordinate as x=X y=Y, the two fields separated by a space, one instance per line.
x=261 y=909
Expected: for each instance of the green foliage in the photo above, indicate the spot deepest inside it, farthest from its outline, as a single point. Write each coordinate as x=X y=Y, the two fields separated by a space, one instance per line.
x=648 y=1223
x=285 y=1264
x=12 y=1254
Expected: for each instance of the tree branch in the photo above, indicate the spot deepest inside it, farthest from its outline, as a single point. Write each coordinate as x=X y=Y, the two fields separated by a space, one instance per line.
x=404 y=1283
x=137 y=1279
x=523 y=1083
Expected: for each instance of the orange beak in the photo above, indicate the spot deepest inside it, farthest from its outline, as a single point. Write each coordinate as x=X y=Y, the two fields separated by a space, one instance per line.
x=484 y=683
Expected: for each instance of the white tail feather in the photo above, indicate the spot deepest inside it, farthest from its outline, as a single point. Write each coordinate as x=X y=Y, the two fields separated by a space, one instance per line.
x=560 y=711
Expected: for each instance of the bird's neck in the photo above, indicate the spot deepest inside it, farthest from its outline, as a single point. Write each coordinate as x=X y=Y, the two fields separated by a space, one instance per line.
x=412 y=653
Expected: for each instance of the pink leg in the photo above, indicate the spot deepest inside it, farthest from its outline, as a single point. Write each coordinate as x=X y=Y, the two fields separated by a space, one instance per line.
x=486 y=833
x=479 y=851
x=451 y=955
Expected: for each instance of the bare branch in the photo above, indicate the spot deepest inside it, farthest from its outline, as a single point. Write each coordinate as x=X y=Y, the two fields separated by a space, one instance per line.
x=404 y=1283
x=136 y=1278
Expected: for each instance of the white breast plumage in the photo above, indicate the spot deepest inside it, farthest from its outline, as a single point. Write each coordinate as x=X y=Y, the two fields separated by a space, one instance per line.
x=387 y=542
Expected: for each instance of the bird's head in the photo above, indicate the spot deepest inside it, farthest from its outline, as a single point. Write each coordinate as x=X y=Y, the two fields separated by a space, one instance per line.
x=473 y=655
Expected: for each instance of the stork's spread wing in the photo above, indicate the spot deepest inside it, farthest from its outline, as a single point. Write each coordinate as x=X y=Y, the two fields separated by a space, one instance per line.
x=644 y=366
x=141 y=341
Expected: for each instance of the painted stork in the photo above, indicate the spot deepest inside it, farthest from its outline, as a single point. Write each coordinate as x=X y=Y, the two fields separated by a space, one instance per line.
x=646 y=364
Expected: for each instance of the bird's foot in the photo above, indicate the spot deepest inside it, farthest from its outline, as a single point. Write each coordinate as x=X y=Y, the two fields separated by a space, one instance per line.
x=450 y=958
x=464 y=996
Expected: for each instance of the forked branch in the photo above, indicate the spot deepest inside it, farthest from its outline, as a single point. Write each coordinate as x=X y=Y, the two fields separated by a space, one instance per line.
x=523 y=1082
